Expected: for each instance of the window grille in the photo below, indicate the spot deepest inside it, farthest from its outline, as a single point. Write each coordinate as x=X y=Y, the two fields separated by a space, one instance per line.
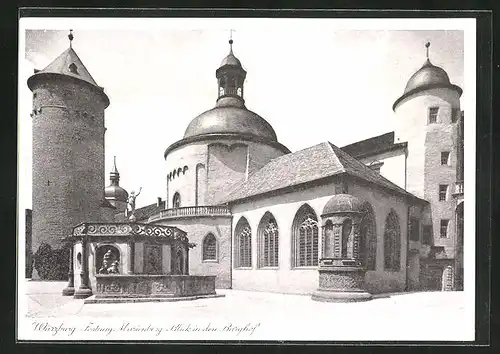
x=433 y=113
x=305 y=238
x=269 y=242
x=445 y=155
x=443 y=189
x=243 y=246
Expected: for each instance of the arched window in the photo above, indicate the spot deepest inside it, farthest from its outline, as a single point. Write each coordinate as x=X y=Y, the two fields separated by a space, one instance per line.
x=346 y=232
x=243 y=244
x=305 y=237
x=392 y=242
x=368 y=239
x=210 y=248
x=268 y=237
x=176 y=201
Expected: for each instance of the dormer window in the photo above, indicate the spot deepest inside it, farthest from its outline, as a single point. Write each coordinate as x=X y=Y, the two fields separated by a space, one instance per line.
x=433 y=113
x=73 y=68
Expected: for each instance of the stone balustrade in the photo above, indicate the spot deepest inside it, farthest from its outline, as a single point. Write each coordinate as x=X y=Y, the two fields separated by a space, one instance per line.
x=192 y=211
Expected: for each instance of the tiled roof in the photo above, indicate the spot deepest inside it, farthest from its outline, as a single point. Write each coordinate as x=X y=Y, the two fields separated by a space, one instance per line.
x=142 y=214
x=372 y=145
x=308 y=165
x=61 y=65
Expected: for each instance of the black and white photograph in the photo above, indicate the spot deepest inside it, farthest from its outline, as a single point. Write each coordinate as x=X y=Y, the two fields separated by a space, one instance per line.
x=246 y=179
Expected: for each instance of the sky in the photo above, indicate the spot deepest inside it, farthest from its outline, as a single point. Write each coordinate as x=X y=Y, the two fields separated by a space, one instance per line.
x=311 y=81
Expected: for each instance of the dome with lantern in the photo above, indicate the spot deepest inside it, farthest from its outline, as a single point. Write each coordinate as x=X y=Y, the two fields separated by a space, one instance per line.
x=230 y=116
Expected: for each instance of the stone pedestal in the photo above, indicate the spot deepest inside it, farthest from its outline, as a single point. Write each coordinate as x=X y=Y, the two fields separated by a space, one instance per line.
x=341 y=284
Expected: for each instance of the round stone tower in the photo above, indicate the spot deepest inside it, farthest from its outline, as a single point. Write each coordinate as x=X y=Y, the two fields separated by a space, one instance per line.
x=426 y=118
x=68 y=157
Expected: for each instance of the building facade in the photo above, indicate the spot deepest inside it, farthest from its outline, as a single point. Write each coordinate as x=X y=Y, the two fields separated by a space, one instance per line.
x=256 y=210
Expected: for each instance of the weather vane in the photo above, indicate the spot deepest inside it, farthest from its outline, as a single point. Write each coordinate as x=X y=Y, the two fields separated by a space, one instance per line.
x=231 y=40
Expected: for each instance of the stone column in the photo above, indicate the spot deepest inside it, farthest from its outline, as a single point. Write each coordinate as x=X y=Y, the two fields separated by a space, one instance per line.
x=70 y=288
x=131 y=259
x=84 y=289
x=186 y=261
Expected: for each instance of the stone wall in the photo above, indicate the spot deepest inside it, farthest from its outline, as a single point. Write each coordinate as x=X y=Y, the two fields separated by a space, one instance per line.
x=28 y=249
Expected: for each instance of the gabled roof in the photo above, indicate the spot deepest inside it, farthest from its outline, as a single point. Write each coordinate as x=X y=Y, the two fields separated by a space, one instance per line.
x=308 y=165
x=372 y=146
x=61 y=65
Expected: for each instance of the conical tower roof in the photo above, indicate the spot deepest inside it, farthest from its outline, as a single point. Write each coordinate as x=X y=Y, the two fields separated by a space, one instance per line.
x=68 y=63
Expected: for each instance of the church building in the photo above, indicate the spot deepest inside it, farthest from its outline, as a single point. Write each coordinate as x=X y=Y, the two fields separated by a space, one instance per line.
x=259 y=214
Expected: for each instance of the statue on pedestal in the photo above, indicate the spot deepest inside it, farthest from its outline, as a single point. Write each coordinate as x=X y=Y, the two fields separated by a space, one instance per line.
x=129 y=212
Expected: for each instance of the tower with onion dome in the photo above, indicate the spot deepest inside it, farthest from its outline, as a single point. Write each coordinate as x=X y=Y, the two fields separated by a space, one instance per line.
x=114 y=193
x=427 y=116
x=68 y=158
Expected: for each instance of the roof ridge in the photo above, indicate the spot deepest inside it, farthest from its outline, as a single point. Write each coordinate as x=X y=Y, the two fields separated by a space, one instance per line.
x=334 y=154
x=367 y=139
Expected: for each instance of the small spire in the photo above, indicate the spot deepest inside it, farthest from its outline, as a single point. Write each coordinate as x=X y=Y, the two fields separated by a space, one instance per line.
x=427 y=45
x=70 y=36
x=115 y=170
x=114 y=175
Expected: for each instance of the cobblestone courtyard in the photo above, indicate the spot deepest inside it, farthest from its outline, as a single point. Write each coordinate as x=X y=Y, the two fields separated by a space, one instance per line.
x=244 y=315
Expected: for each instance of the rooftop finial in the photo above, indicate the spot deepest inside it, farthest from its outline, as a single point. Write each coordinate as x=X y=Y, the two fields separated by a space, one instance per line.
x=70 y=36
x=231 y=40
x=427 y=45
